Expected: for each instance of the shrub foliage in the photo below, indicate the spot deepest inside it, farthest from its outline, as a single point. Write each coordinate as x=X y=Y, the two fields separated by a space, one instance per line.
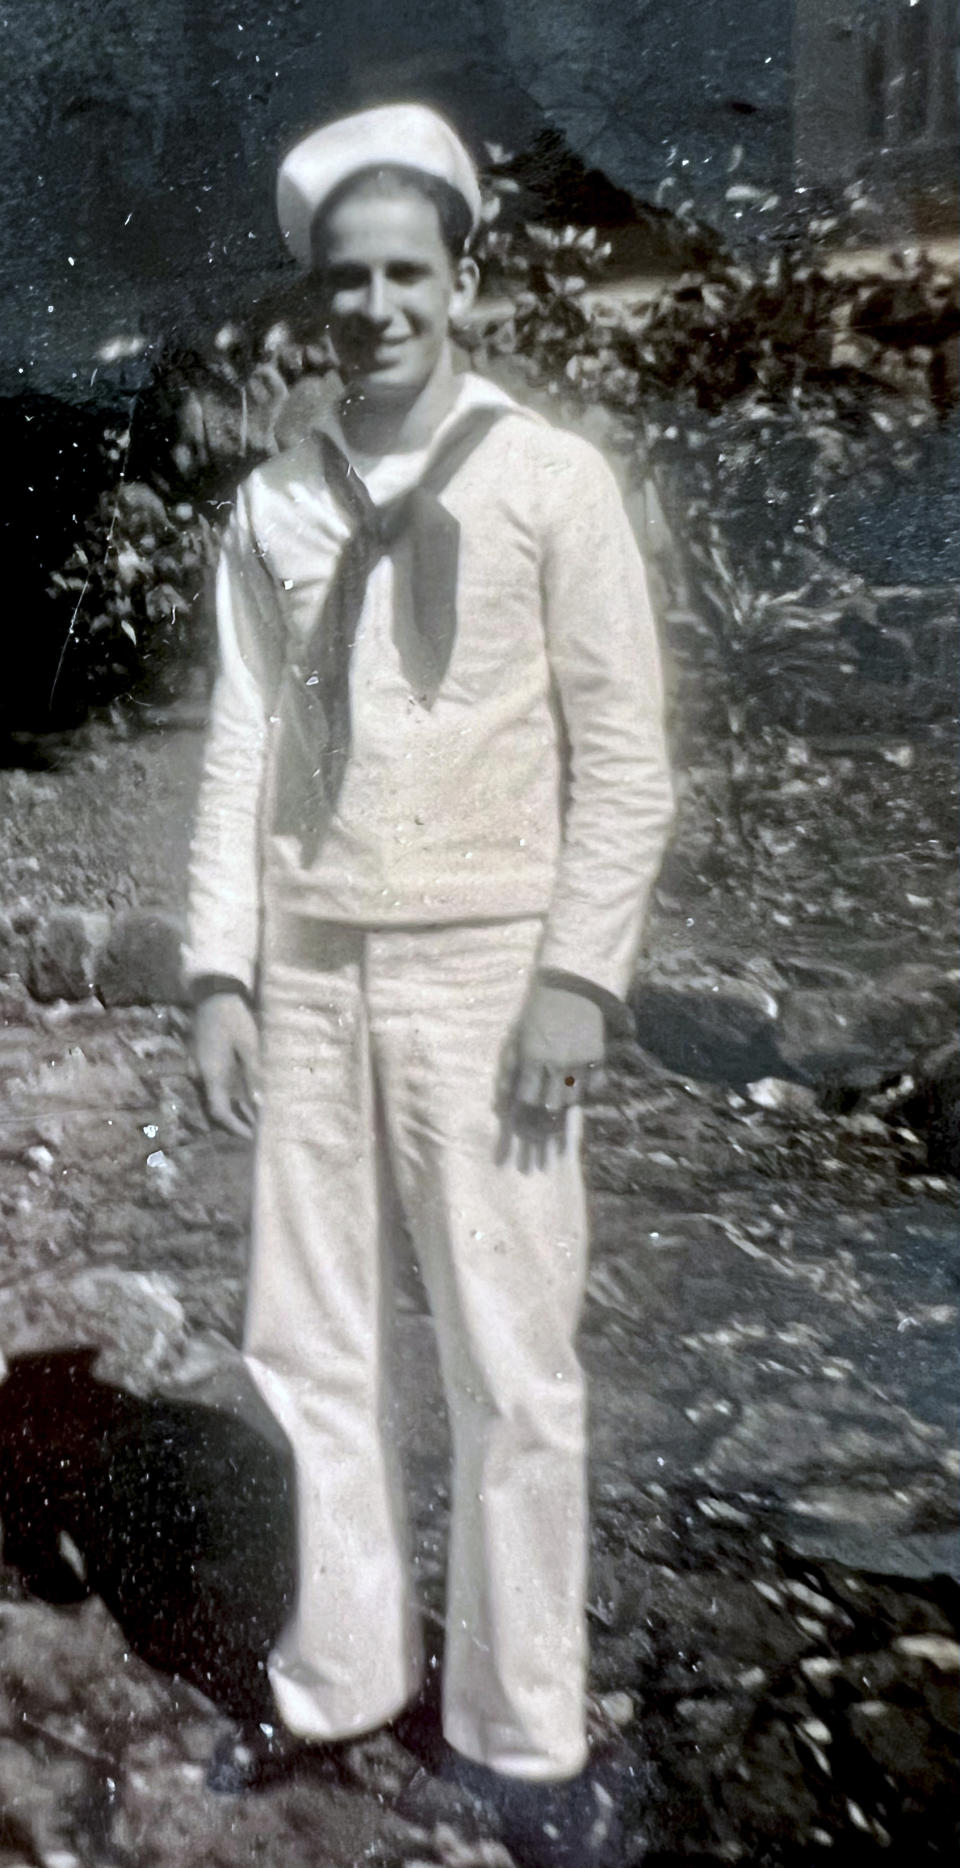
x=749 y=393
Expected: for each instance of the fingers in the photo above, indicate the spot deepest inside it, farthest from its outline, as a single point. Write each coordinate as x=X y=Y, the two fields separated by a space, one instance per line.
x=535 y=1151
x=248 y=1060
x=506 y=1073
x=530 y=1085
x=236 y=1117
x=227 y=1048
x=229 y=1087
x=534 y=1110
x=535 y=1130
x=548 y=1088
x=564 y=1088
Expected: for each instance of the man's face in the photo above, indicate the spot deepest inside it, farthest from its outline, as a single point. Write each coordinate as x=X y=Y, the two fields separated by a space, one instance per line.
x=390 y=288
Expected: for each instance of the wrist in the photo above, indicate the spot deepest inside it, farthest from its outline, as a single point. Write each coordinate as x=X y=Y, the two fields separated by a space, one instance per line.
x=607 y=1002
x=214 y=985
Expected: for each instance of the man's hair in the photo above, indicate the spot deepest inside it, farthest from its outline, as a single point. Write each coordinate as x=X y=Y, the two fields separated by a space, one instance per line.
x=392 y=178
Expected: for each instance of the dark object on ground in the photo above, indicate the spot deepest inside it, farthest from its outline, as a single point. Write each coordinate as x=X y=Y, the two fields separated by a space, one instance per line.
x=719 y=1038
x=181 y=1518
x=574 y=1824
x=933 y=1108
x=251 y=1757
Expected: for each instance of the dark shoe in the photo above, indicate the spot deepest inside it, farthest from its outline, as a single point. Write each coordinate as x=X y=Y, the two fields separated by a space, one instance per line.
x=377 y=1764
x=566 y=1825
x=571 y=1824
x=252 y=1757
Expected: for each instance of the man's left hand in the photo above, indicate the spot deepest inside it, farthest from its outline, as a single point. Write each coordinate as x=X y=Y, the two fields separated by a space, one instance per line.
x=557 y=1044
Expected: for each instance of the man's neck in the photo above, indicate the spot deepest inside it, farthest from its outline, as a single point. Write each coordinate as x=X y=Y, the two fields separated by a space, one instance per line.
x=396 y=426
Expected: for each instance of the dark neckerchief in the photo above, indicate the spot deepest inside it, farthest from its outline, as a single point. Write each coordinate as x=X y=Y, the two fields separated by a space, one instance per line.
x=424 y=539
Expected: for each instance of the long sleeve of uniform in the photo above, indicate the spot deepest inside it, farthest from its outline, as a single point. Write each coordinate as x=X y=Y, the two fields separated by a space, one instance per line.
x=604 y=659
x=223 y=929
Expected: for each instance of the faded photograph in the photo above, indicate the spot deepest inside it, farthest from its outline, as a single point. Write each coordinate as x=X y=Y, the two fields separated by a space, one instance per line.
x=480 y=1117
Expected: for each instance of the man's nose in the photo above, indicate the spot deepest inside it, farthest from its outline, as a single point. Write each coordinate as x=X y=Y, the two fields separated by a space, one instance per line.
x=375 y=305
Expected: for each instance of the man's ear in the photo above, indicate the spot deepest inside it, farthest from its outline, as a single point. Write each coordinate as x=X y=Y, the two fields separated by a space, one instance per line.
x=465 y=289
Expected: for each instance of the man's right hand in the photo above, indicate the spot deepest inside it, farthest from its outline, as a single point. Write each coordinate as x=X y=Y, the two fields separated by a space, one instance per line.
x=227 y=1048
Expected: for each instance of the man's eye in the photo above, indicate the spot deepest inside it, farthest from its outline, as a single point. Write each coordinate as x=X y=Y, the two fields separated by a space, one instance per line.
x=346 y=279
x=407 y=274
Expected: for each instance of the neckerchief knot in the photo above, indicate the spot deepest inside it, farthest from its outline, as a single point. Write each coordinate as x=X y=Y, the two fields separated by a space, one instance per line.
x=315 y=726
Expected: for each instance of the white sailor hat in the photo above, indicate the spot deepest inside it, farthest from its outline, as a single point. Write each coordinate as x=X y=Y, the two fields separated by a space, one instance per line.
x=409 y=135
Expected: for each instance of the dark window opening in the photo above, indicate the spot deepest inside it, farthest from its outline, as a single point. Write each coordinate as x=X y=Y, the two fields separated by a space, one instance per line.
x=915 y=68
x=875 y=85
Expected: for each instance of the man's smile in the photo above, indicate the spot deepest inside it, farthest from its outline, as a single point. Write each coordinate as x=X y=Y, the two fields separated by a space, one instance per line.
x=385 y=354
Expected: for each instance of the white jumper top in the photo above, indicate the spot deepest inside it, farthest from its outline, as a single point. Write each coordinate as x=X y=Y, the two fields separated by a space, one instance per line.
x=537 y=782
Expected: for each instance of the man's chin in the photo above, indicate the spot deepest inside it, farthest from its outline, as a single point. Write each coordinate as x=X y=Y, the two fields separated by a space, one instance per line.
x=384 y=383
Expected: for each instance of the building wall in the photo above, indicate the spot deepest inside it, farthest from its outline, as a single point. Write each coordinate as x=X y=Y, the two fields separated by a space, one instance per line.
x=877 y=97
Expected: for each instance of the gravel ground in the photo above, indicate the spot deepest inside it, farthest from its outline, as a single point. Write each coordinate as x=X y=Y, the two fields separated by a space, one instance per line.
x=770 y=1332
x=100 y=820
x=774 y=1477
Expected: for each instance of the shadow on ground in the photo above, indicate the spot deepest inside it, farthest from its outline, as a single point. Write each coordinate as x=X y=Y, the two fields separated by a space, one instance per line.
x=179 y=1517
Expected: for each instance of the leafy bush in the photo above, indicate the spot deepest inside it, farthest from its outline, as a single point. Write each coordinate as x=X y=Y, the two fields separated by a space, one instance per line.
x=749 y=393
x=136 y=588
x=135 y=591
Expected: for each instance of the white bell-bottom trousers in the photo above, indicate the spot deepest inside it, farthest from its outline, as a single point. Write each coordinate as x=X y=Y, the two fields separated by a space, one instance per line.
x=381 y=1050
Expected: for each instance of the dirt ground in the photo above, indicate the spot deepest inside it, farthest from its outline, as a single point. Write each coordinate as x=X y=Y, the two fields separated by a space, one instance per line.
x=99 y=819
x=773 y=1359
x=770 y=1333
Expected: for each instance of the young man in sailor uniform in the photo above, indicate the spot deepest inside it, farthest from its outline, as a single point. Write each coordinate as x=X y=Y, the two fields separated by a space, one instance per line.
x=435 y=799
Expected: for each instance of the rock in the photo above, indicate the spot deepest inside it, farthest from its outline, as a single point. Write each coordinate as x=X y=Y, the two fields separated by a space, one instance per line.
x=379 y=1764
x=40 y=1158
x=690 y=870
x=77 y=1676
x=902 y=1743
x=140 y=963
x=820 y=1669
x=859 y=1544
x=13 y=948
x=714 y=1719
x=870 y=1506
x=938 y=1649
x=792 y=1098
x=165 y=1815
x=721 y=1509
x=773 y=1795
x=865 y=1032
x=829 y=1465
x=932 y=1107
x=619 y=1708
x=36 y=1795
x=133 y=1318
x=724 y=1031
x=63 y=957
x=162 y=1176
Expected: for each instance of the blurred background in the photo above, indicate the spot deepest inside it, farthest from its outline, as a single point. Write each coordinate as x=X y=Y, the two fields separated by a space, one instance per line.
x=722 y=242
